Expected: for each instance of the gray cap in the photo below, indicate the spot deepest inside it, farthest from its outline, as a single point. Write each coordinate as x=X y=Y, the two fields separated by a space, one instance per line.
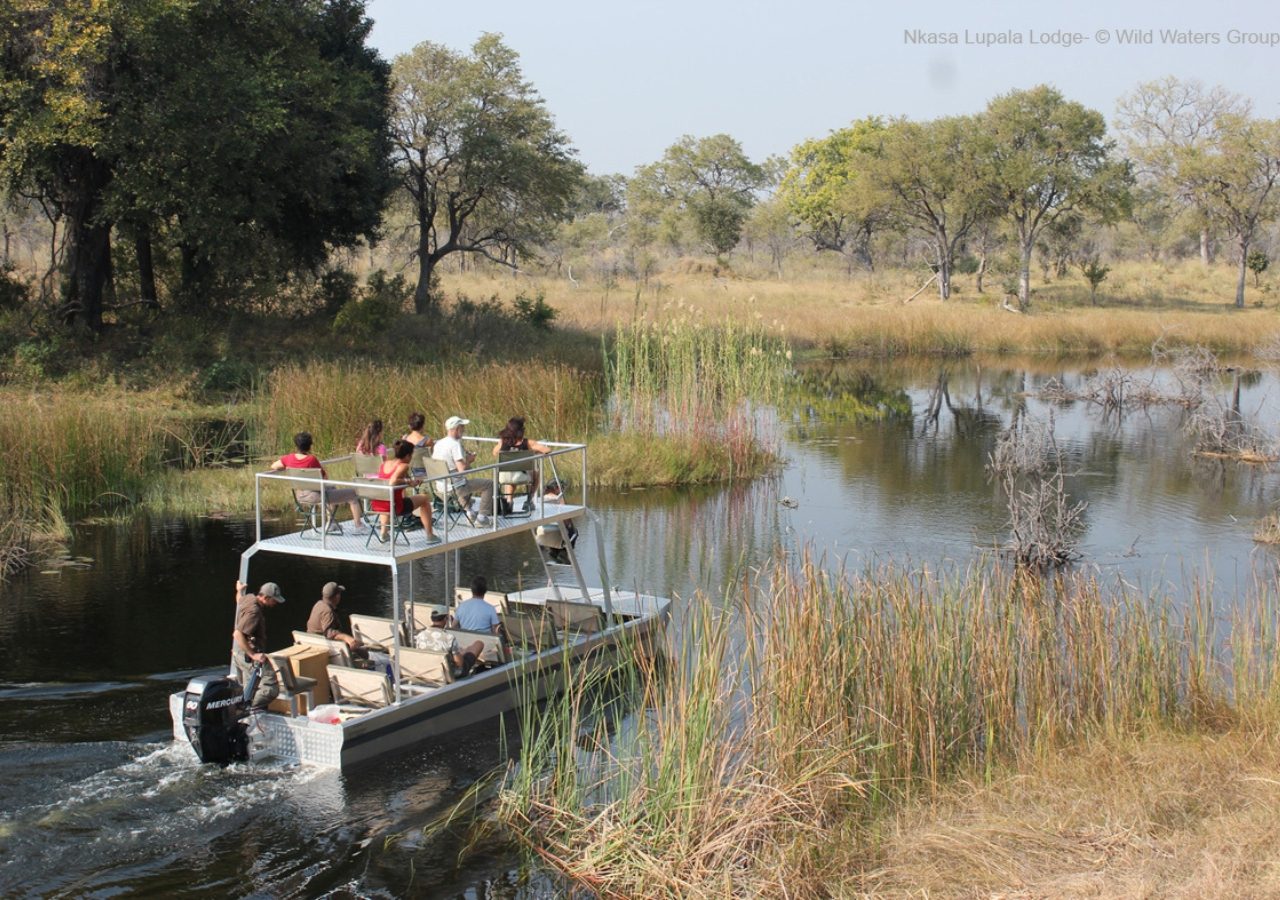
x=439 y=612
x=330 y=589
x=271 y=589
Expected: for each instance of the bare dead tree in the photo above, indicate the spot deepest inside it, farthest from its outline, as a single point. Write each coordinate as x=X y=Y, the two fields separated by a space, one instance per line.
x=1044 y=523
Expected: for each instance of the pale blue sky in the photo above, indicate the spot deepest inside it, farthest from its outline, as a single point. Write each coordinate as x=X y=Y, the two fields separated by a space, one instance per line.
x=626 y=81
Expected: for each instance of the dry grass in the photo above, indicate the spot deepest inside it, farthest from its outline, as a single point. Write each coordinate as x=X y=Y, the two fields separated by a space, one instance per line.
x=864 y=314
x=803 y=715
x=1164 y=815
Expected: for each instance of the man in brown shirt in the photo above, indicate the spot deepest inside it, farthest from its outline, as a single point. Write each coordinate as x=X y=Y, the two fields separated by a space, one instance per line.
x=324 y=619
x=249 y=640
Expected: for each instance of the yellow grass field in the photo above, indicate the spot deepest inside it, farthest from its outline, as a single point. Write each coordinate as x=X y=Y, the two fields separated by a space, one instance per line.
x=864 y=314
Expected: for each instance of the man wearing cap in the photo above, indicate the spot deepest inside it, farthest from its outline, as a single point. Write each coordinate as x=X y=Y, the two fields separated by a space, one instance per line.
x=449 y=448
x=249 y=640
x=324 y=620
x=436 y=638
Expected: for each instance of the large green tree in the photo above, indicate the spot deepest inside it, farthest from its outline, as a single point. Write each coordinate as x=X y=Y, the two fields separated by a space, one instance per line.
x=244 y=135
x=1050 y=157
x=938 y=179
x=708 y=182
x=484 y=166
x=829 y=191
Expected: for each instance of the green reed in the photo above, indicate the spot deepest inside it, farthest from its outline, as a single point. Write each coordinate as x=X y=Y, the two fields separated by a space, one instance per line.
x=814 y=700
x=697 y=388
x=334 y=401
x=71 y=451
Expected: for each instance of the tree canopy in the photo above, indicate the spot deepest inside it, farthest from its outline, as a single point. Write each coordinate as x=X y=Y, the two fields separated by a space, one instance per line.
x=709 y=182
x=248 y=137
x=480 y=158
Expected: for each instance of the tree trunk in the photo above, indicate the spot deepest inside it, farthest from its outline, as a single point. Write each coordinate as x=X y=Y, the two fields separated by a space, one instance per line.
x=1206 y=255
x=146 y=267
x=424 y=302
x=944 y=274
x=88 y=245
x=1024 y=277
x=982 y=267
x=1240 y=282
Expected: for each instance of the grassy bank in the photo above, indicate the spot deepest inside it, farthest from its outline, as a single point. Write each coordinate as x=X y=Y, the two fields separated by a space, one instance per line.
x=864 y=314
x=774 y=755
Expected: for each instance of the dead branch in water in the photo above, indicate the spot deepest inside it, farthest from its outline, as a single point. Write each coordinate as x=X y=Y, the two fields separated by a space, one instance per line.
x=1044 y=523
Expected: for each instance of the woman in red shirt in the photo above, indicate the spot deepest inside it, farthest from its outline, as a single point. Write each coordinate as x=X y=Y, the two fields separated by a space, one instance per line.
x=396 y=471
x=303 y=458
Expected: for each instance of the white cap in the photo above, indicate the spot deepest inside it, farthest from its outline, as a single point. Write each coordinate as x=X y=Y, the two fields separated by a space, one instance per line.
x=454 y=421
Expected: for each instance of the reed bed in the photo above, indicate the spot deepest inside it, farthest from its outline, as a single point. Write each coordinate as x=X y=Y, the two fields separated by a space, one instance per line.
x=334 y=401
x=686 y=396
x=815 y=703
x=72 y=451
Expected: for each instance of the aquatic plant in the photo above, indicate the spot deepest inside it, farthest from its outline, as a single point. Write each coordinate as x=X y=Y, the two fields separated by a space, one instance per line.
x=812 y=702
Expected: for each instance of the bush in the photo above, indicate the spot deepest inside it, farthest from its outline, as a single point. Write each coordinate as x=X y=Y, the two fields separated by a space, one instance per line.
x=373 y=310
x=535 y=311
x=965 y=264
x=228 y=376
x=14 y=291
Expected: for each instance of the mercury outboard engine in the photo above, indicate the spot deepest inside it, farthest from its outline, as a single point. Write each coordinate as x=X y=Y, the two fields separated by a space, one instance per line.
x=213 y=716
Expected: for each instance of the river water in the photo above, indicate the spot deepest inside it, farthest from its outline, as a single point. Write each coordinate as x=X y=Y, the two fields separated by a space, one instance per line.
x=96 y=801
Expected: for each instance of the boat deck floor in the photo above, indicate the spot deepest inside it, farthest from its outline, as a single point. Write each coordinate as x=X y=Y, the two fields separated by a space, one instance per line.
x=409 y=545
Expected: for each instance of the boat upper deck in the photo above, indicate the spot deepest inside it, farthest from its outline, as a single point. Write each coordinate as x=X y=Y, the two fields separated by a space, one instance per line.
x=454 y=529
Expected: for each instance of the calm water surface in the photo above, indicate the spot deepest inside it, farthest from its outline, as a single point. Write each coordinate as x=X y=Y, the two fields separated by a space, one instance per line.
x=95 y=800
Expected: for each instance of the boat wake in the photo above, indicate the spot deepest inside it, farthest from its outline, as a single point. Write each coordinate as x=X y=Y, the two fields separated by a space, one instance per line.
x=80 y=816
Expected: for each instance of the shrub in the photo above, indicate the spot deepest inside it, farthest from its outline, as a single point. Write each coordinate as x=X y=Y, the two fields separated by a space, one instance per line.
x=535 y=311
x=372 y=311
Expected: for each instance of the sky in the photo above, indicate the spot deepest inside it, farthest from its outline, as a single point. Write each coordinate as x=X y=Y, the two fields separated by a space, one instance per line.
x=625 y=81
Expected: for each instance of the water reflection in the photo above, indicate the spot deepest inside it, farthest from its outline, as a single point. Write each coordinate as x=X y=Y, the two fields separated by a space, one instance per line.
x=95 y=801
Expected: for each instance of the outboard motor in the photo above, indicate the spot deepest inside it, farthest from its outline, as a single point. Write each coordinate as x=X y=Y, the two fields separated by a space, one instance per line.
x=213 y=716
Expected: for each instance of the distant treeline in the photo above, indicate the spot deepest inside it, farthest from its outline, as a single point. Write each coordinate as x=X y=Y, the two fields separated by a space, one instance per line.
x=183 y=155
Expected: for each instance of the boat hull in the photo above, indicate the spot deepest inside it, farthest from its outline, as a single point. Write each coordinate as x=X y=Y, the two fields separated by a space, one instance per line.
x=439 y=711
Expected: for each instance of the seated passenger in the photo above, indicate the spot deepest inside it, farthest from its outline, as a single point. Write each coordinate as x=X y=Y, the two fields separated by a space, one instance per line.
x=415 y=435
x=512 y=437
x=324 y=620
x=396 y=471
x=449 y=448
x=434 y=637
x=369 y=441
x=303 y=458
x=476 y=614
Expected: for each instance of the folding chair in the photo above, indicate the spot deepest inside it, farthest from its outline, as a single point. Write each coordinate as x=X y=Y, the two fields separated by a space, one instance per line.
x=293 y=686
x=306 y=500
x=428 y=667
x=450 y=502
x=516 y=468
x=377 y=632
x=339 y=653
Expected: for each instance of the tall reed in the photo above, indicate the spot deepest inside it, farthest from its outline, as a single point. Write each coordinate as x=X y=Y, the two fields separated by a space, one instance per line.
x=68 y=451
x=816 y=700
x=699 y=386
x=334 y=401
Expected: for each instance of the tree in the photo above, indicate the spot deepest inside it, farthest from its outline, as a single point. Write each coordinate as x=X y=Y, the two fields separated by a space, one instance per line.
x=1233 y=178
x=709 y=183
x=938 y=180
x=828 y=190
x=250 y=133
x=1051 y=157
x=1164 y=119
x=485 y=169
